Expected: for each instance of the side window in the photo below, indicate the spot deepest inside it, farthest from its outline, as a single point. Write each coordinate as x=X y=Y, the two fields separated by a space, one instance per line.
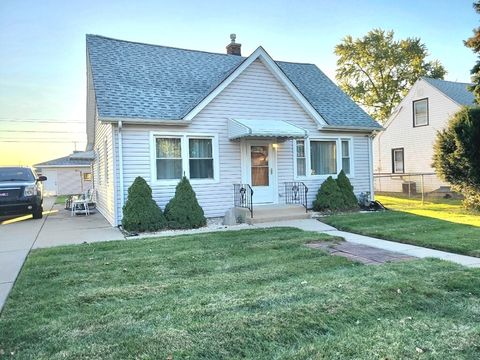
x=301 y=159
x=346 y=156
x=398 y=165
x=420 y=112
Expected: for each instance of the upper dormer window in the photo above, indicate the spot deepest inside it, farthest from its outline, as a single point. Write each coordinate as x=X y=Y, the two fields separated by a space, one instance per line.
x=420 y=112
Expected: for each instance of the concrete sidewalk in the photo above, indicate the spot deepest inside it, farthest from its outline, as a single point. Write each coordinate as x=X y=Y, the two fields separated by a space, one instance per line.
x=407 y=249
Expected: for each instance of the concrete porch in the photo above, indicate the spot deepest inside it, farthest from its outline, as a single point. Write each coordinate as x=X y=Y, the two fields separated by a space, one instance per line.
x=267 y=213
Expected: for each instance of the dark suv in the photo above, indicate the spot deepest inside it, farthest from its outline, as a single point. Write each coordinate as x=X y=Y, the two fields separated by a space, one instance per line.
x=20 y=192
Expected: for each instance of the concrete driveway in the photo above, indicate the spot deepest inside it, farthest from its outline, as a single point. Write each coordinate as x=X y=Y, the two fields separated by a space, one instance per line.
x=19 y=235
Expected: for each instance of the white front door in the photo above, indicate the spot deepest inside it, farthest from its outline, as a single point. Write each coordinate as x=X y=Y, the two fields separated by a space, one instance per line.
x=261 y=171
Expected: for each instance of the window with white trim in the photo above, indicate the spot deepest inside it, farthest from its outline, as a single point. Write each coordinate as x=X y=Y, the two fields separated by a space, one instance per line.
x=346 y=156
x=200 y=158
x=323 y=157
x=168 y=152
x=189 y=155
x=398 y=163
x=301 y=159
x=420 y=112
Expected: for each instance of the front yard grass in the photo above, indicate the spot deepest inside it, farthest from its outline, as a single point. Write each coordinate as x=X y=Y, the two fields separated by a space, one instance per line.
x=255 y=294
x=441 y=224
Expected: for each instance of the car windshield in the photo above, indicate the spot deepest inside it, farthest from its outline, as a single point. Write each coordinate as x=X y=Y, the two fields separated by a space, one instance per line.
x=15 y=174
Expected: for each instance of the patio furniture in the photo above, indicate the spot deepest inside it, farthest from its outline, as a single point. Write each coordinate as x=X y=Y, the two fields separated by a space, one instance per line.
x=82 y=204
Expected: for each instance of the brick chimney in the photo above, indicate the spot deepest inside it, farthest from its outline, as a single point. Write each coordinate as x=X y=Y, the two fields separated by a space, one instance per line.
x=233 y=48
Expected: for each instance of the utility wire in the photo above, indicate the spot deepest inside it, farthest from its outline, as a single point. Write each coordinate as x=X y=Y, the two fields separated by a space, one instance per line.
x=43 y=131
x=40 y=121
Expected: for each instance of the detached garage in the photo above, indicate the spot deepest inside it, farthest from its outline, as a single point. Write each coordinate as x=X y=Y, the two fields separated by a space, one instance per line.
x=70 y=174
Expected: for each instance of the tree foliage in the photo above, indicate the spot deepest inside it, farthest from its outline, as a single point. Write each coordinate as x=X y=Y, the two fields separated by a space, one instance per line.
x=350 y=201
x=456 y=156
x=474 y=44
x=377 y=71
x=141 y=212
x=183 y=211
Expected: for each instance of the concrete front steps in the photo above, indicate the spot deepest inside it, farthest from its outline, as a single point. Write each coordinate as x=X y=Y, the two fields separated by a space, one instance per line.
x=278 y=212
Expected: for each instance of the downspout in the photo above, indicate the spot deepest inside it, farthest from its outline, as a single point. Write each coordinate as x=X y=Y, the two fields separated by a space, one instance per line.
x=370 y=165
x=120 y=167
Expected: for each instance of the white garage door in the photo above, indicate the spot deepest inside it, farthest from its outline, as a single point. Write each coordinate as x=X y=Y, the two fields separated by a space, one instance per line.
x=50 y=186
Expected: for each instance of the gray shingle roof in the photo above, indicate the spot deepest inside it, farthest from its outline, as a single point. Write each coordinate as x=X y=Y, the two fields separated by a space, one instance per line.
x=456 y=91
x=75 y=159
x=136 y=80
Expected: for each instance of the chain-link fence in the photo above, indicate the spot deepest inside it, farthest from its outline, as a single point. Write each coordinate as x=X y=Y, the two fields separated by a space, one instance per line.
x=414 y=185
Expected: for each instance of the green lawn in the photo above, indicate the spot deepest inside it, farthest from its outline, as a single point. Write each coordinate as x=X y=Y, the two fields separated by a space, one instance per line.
x=60 y=199
x=254 y=294
x=439 y=224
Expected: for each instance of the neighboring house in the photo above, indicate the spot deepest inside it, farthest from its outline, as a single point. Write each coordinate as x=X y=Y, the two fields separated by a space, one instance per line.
x=219 y=119
x=70 y=174
x=405 y=148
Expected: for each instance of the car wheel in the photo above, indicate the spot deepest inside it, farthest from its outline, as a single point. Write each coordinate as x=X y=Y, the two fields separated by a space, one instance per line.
x=38 y=213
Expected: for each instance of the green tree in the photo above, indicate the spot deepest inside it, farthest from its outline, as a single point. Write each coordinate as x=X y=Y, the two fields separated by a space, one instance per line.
x=474 y=44
x=141 y=212
x=377 y=71
x=329 y=197
x=456 y=156
x=350 y=201
x=183 y=211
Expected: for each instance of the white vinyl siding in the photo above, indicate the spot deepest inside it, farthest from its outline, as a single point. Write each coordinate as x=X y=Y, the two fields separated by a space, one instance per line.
x=255 y=94
x=417 y=142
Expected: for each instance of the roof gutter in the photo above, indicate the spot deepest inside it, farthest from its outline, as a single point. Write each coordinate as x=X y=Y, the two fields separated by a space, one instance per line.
x=351 y=128
x=143 y=121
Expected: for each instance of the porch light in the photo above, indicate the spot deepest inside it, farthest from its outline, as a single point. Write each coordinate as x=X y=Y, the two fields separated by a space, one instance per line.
x=275 y=146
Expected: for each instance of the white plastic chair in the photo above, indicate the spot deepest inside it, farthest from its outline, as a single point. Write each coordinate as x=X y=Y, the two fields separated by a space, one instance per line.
x=81 y=205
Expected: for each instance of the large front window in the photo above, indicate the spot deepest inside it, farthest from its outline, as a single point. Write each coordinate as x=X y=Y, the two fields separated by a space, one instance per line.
x=192 y=156
x=323 y=157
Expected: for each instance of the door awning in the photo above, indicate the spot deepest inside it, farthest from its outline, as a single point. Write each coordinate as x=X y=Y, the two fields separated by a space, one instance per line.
x=243 y=128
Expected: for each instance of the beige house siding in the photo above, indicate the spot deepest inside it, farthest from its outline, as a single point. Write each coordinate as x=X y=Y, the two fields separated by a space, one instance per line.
x=66 y=180
x=417 y=142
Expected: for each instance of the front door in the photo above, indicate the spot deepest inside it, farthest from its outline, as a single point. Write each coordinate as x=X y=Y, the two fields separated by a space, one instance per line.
x=261 y=170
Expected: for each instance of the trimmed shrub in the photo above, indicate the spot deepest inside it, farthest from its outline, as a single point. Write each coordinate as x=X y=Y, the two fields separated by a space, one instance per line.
x=141 y=212
x=329 y=196
x=350 y=201
x=183 y=211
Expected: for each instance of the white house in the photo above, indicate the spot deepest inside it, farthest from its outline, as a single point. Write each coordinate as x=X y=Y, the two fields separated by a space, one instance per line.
x=67 y=175
x=405 y=148
x=229 y=123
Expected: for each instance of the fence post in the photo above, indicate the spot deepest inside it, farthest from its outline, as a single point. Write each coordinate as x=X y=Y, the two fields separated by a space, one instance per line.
x=422 y=185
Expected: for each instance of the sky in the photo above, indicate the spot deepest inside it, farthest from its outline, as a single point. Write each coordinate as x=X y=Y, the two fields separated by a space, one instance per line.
x=42 y=49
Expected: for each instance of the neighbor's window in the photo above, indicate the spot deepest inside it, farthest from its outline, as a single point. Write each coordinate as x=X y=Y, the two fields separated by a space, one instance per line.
x=420 y=112
x=346 y=156
x=301 y=159
x=397 y=161
x=169 y=158
x=87 y=176
x=201 y=158
x=323 y=157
